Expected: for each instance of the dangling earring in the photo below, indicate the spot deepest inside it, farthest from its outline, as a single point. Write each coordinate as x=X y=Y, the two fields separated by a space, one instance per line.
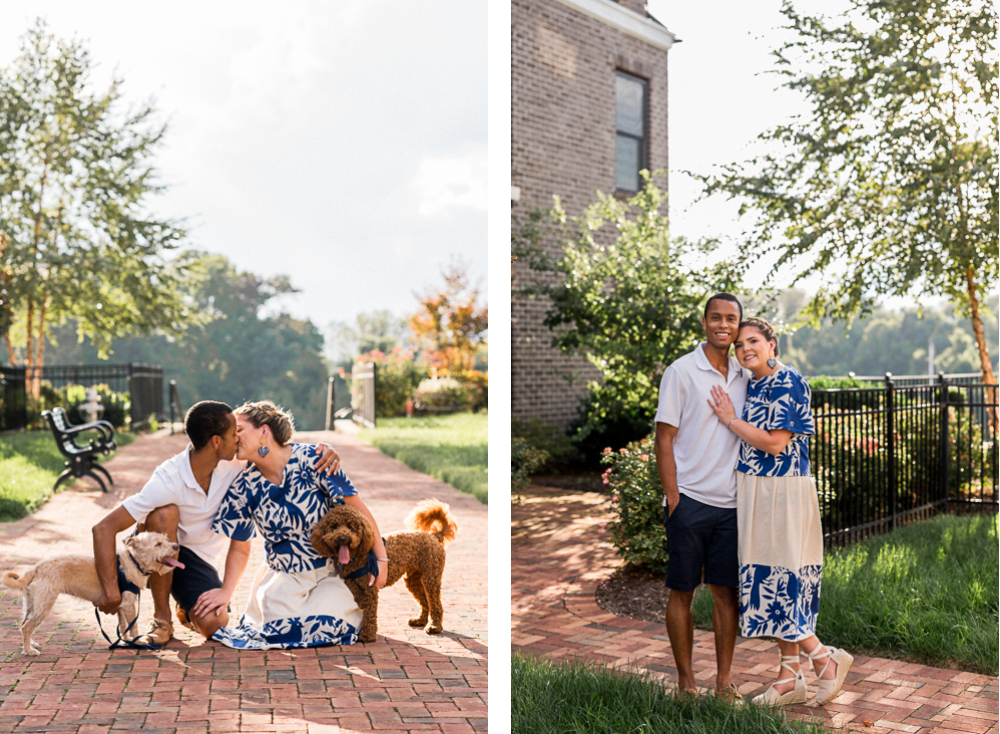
x=263 y=449
x=771 y=362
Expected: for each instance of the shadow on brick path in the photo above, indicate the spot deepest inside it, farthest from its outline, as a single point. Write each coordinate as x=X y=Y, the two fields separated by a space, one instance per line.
x=559 y=555
x=406 y=680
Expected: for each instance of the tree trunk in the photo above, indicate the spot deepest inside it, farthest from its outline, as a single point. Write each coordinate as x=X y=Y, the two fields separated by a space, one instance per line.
x=36 y=386
x=985 y=366
x=30 y=352
x=11 y=357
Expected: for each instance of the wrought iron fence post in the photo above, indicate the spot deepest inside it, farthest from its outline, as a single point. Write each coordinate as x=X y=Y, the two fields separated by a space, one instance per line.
x=890 y=428
x=329 y=403
x=943 y=399
x=173 y=387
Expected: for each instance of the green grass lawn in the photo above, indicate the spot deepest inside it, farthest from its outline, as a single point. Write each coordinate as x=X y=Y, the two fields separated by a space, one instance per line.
x=564 y=698
x=927 y=592
x=29 y=465
x=451 y=448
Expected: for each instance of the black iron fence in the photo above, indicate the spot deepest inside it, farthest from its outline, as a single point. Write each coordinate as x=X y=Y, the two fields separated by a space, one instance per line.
x=884 y=456
x=142 y=382
x=363 y=384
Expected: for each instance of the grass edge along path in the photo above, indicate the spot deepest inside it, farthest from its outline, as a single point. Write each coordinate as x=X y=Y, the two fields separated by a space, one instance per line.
x=451 y=448
x=926 y=593
x=578 y=696
x=30 y=462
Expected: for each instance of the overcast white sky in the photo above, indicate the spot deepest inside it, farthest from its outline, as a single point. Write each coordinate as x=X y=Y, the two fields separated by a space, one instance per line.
x=341 y=143
x=720 y=99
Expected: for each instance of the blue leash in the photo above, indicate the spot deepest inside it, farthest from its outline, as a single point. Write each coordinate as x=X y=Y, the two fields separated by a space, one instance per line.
x=122 y=643
x=125 y=585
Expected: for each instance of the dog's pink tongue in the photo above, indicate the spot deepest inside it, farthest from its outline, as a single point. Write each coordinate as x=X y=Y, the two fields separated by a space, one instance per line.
x=173 y=562
x=344 y=556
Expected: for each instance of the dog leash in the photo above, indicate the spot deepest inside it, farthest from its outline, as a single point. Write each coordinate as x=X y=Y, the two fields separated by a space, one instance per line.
x=129 y=586
x=123 y=643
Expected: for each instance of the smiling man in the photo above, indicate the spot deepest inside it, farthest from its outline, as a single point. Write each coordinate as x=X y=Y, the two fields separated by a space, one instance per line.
x=696 y=458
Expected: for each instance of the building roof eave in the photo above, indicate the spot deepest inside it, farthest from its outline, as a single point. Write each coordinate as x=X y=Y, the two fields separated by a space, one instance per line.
x=611 y=13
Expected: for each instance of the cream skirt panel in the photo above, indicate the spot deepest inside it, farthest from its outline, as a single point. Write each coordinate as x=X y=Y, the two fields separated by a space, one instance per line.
x=781 y=556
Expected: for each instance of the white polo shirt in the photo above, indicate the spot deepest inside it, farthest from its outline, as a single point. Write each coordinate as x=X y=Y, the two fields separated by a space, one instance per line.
x=173 y=483
x=705 y=451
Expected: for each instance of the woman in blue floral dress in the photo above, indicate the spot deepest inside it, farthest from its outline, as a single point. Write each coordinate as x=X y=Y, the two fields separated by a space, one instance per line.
x=297 y=599
x=780 y=537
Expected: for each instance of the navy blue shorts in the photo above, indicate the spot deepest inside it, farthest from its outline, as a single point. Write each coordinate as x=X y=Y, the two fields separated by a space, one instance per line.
x=701 y=536
x=190 y=582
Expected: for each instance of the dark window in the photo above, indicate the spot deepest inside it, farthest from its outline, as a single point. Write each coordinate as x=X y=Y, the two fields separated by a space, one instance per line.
x=630 y=130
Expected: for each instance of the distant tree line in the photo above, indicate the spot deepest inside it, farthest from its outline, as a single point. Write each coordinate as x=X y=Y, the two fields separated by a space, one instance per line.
x=238 y=354
x=884 y=341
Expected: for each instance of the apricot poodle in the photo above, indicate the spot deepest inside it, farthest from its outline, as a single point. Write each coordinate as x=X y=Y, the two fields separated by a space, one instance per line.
x=416 y=553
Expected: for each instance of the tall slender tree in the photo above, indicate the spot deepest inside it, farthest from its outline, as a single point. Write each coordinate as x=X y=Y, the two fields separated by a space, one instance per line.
x=888 y=185
x=75 y=175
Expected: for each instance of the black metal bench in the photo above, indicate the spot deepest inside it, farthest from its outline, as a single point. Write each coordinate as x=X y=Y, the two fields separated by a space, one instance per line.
x=81 y=458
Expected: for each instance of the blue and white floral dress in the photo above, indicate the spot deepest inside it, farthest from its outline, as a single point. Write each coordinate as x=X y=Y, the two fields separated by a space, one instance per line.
x=297 y=599
x=780 y=537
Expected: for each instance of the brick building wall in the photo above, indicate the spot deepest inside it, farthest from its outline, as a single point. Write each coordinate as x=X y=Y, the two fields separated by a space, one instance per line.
x=563 y=64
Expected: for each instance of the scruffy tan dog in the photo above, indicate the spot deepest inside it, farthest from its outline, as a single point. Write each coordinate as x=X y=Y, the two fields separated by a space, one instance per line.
x=143 y=554
x=417 y=553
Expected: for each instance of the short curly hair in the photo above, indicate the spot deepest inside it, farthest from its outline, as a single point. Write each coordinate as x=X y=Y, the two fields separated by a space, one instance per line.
x=267 y=413
x=206 y=419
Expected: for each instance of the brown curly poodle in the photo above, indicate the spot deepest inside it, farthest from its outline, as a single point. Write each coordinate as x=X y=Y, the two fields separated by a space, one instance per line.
x=417 y=553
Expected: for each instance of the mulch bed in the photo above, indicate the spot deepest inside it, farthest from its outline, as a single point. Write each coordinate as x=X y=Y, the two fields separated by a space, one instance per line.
x=634 y=592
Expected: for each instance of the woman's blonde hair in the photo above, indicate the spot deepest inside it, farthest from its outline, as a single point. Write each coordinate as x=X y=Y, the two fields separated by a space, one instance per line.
x=267 y=413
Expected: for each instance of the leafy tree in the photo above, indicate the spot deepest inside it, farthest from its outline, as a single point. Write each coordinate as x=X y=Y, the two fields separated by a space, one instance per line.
x=450 y=325
x=75 y=174
x=888 y=186
x=377 y=331
x=238 y=354
x=625 y=294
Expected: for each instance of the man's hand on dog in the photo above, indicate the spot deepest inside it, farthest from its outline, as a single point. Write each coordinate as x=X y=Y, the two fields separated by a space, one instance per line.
x=327 y=459
x=109 y=604
x=213 y=601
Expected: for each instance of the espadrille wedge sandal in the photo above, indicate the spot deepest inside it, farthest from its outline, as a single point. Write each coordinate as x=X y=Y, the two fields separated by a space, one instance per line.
x=827 y=690
x=797 y=695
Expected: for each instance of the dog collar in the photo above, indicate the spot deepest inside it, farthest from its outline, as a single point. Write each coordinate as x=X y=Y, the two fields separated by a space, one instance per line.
x=371 y=566
x=138 y=565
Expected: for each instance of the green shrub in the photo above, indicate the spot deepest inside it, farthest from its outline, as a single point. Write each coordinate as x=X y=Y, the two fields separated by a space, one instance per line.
x=524 y=460
x=446 y=394
x=545 y=437
x=397 y=376
x=636 y=524
x=605 y=421
x=117 y=405
x=827 y=382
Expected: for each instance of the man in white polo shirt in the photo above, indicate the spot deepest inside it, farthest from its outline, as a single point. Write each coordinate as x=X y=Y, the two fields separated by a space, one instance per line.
x=696 y=458
x=181 y=500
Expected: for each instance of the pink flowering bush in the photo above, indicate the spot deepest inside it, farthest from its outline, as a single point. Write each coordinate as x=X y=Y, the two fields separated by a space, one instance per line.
x=636 y=524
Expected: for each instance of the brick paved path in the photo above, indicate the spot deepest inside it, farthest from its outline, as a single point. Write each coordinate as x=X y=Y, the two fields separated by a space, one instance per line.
x=405 y=681
x=560 y=555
